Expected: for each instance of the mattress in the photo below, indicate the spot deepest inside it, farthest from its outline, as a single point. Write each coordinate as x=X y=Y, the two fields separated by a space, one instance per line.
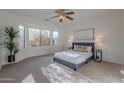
x=73 y=56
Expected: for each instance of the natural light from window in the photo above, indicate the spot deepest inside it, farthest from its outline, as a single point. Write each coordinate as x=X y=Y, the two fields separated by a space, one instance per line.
x=34 y=37
x=55 y=38
x=21 y=36
x=45 y=37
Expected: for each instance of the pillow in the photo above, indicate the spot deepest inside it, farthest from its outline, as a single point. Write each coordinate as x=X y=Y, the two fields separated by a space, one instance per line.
x=86 y=48
x=89 y=48
x=78 y=49
x=83 y=49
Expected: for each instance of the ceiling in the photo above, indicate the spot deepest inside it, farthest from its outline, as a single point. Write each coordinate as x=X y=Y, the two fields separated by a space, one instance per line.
x=41 y=14
x=33 y=13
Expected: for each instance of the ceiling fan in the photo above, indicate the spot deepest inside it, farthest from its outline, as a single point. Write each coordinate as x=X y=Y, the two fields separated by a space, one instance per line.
x=62 y=14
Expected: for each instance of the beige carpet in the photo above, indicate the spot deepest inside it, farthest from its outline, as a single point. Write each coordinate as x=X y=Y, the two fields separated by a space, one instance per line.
x=29 y=71
x=104 y=72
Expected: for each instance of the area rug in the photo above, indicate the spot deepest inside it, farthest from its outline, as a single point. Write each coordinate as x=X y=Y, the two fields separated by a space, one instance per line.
x=58 y=73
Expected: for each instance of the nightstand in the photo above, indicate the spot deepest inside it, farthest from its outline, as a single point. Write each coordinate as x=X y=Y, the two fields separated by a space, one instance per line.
x=98 y=55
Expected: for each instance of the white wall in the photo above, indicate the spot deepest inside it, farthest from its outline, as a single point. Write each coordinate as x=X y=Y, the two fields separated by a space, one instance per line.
x=123 y=29
x=0 y=51
x=15 y=20
x=108 y=26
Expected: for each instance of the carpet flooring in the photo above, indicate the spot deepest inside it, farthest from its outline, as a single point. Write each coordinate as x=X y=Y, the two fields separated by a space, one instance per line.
x=31 y=71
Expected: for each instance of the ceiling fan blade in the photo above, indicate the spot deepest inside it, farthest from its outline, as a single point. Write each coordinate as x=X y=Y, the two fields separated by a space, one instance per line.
x=53 y=17
x=70 y=13
x=60 y=20
x=69 y=18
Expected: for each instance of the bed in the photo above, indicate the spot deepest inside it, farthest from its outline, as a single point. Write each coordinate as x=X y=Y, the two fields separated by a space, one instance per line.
x=74 y=59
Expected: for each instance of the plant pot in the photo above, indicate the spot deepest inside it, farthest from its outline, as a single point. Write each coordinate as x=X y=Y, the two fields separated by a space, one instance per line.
x=11 y=58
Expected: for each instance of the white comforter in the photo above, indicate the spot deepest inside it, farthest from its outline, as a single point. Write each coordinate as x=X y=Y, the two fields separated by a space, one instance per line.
x=73 y=56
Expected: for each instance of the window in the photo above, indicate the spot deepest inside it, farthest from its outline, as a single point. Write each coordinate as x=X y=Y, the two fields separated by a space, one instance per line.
x=55 y=38
x=45 y=37
x=37 y=37
x=21 y=37
x=34 y=37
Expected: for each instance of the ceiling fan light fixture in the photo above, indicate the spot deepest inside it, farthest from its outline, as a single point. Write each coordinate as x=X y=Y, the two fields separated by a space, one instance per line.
x=62 y=17
x=61 y=14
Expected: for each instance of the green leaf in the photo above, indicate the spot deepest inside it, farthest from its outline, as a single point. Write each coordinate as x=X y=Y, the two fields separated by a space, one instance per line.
x=10 y=43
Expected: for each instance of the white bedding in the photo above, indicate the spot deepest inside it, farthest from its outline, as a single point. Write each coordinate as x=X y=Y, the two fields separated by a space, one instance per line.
x=73 y=56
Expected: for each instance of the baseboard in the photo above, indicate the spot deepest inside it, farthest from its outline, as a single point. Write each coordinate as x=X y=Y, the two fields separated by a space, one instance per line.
x=26 y=58
x=114 y=61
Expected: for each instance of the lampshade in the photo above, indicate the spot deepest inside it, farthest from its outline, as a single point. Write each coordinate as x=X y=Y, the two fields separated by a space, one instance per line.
x=99 y=40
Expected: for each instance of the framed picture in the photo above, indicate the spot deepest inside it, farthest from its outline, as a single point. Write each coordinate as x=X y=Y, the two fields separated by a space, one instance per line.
x=84 y=35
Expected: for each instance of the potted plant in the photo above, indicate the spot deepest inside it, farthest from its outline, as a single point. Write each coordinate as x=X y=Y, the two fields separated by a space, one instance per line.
x=10 y=43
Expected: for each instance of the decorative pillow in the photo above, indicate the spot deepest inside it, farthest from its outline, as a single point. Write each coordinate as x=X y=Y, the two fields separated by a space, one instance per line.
x=78 y=49
x=83 y=48
x=89 y=48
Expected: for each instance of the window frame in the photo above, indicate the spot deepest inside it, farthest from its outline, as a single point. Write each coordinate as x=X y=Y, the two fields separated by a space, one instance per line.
x=24 y=34
x=54 y=38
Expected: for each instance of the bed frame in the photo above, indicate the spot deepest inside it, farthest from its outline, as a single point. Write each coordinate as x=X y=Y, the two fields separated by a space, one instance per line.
x=76 y=66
